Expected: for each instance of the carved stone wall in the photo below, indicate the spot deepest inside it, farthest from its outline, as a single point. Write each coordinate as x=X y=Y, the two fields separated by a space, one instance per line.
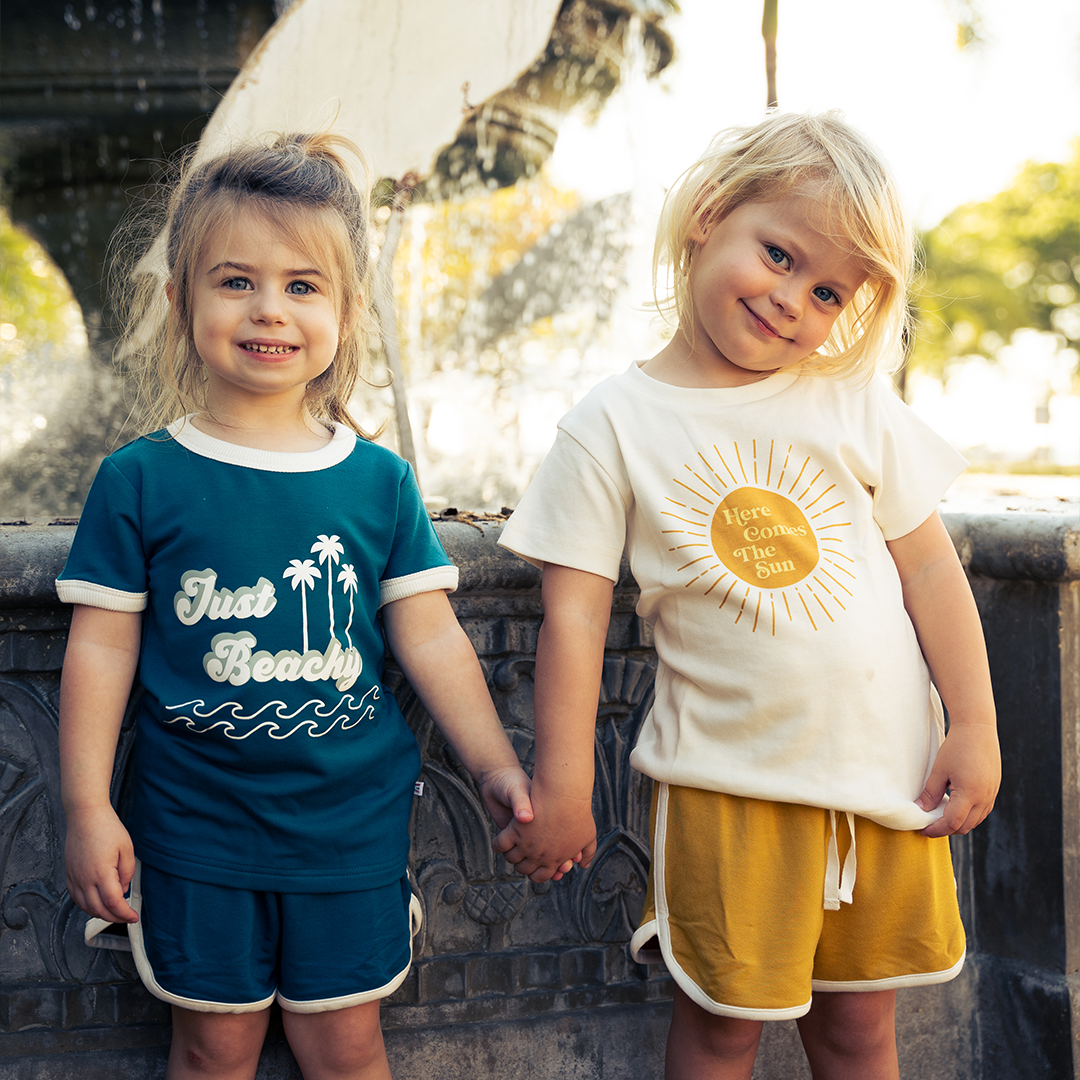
x=494 y=945
x=514 y=979
x=495 y=951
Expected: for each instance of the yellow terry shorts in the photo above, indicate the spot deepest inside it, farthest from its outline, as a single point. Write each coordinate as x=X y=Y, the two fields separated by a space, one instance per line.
x=737 y=900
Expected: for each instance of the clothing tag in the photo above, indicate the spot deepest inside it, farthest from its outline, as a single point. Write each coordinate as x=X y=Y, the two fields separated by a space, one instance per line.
x=418 y=787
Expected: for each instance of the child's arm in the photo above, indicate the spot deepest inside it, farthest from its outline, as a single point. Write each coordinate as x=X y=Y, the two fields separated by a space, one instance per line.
x=99 y=667
x=569 y=664
x=942 y=610
x=441 y=666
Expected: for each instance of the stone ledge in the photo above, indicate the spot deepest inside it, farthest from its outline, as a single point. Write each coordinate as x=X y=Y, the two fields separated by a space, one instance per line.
x=1035 y=547
x=31 y=555
x=1014 y=546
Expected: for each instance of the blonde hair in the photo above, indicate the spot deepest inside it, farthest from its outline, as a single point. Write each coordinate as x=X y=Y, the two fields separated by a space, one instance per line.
x=303 y=187
x=858 y=200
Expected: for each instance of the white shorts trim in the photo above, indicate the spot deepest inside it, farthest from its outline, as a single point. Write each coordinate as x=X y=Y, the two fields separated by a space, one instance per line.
x=347 y=1001
x=146 y=972
x=661 y=928
x=898 y=982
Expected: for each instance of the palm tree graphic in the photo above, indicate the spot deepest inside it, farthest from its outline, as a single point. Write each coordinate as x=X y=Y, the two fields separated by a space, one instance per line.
x=347 y=575
x=303 y=574
x=329 y=552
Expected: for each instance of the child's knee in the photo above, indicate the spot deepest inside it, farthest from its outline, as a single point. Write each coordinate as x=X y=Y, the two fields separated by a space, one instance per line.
x=852 y=1024
x=711 y=1034
x=217 y=1043
x=340 y=1041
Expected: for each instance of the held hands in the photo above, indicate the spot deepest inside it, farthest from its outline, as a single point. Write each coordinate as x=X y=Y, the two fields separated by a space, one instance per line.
x=505 y=792
x=506 y=795
x=100 y=863
x=563 y=833
x=968 y=766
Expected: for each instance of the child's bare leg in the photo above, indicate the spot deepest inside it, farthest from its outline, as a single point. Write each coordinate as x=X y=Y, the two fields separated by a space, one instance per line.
x=224 y=1046
x=851 y=1036
x=704 y=1046
x=344 y=1044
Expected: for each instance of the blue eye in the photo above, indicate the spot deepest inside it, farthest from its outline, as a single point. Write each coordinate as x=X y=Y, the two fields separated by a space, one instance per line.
x=777 y=255
x=239 y=284
x=300 y=288
x=826 y=296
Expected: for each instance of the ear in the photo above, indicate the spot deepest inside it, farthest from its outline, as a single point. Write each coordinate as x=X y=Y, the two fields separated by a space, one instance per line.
x=704 y=212
x=699 y=231
x=351 y=315
x=169 y=290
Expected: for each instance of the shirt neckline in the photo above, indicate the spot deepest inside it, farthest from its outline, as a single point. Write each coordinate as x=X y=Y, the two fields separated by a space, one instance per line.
x=334 y=452
x=711 y=396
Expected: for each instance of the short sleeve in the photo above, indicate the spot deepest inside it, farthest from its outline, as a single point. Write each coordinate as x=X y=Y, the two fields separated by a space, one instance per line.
x=106 y=566
x=917 y=466
x=417 y=563
x=573 y=513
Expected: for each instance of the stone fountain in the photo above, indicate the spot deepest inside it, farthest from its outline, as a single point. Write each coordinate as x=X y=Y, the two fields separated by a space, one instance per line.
x=97 y=96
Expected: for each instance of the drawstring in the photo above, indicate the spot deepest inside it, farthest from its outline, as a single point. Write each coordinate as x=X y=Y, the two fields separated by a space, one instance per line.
x=838 y=886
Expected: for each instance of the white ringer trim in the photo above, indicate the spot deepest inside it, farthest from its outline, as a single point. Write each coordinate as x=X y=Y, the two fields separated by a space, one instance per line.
x=662 y=930
x=91 y=594
x=898 y=982
x=431 y=580
x=146 y=972
x=333 y=452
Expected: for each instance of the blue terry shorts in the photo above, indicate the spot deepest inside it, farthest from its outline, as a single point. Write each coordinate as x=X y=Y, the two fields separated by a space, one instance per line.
x=216 y=949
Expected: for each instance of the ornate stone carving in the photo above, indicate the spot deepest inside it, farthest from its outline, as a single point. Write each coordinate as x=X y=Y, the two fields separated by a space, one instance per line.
x=36 y=904
x=472 y=899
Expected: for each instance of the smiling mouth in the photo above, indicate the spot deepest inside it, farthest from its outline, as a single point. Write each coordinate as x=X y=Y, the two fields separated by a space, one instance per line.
x=764 y=326
x=270 y=350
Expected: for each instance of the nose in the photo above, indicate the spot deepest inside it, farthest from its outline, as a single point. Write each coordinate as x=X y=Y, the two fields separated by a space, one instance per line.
x=267 y=307
x=787 y=296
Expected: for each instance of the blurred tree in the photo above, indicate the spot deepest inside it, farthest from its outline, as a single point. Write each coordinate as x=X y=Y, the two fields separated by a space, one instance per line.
x=995 y=267
x=969 y=23
x=768 y=32
x=36 y=305
x=467 y=243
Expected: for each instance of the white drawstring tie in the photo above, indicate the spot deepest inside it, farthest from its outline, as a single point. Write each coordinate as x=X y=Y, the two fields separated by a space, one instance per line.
x=838 y=886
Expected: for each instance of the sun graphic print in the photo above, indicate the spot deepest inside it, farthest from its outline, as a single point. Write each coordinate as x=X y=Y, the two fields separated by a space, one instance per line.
x=762 y=530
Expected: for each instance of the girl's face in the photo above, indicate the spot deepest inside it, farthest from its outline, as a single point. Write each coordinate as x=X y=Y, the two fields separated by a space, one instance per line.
x=264 y=319
x=767 y=285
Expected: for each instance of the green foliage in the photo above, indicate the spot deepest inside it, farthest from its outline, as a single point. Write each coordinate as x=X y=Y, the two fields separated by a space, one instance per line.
x=36 y=305
x=995 y=267
x=969 y=24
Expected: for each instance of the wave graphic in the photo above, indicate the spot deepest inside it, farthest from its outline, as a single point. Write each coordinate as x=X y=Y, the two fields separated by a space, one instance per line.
x=230 y=720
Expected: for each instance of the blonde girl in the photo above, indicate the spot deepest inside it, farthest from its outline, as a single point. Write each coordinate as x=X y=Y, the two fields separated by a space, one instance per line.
x=248 y=553
x=777 y=503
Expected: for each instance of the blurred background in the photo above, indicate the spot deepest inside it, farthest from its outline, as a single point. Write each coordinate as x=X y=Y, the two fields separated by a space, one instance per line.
x=521 y=266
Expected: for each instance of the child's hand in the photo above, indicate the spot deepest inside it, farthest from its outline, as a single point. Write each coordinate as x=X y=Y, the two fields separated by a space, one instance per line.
x=968 y=765
x=506 y=795
x=100 y=863
x=563 y=833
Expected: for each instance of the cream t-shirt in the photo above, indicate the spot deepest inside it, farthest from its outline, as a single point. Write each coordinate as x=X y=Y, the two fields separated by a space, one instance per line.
x=755 y=520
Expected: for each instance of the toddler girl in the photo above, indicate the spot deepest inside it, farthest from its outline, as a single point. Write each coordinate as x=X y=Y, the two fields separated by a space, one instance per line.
x=777 y=503
x=248 y=557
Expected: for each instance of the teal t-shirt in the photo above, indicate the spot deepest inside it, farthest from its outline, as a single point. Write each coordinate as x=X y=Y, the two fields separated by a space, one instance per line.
x=268 y=754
